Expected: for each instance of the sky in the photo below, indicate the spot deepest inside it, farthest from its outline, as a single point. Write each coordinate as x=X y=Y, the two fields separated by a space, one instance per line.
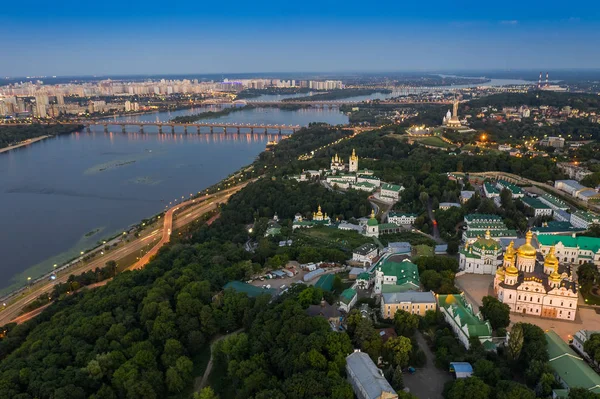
x=109 y=37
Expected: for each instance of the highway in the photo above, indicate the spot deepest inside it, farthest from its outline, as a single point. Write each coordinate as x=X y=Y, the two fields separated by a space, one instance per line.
x=197 y=207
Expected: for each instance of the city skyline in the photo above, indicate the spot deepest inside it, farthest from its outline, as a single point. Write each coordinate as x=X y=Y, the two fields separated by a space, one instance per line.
x=110 y=38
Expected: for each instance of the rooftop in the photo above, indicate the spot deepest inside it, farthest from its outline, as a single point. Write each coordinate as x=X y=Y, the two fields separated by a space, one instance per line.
x=347 y=295
x=534 y=203
x=480 y=217
x=365 y=249
x=405 y=271
x=248 y=289
x=367 y=377
x=585 y=243
x=409 y=296
x=572 y=369
x=325 y=282
x=466 y=318
x=572 y=183
x=391 y=187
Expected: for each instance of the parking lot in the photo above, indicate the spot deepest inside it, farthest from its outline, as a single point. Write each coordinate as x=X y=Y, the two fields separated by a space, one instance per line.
x=287 y=281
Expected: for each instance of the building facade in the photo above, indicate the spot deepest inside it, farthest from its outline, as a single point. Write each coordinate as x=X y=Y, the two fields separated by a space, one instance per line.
x=411 y=301
x=481 y=257
x=573 y=249
x=536 y=288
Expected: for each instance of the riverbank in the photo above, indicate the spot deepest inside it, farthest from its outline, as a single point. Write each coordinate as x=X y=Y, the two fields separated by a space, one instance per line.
x=339 y=94
x=209 y=114
x=15 y=136
x=23 y=143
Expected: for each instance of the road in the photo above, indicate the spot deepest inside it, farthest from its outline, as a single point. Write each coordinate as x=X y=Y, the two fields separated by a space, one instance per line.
x=13 y=310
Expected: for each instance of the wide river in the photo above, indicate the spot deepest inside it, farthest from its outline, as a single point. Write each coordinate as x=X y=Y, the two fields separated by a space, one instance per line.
x=56 y=191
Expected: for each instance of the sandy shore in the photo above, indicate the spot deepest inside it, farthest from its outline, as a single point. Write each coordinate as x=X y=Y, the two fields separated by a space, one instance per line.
x=12 y=147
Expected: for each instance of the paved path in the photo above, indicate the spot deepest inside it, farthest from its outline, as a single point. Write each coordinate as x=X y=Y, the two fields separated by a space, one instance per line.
x=200 y=383
x=12 y=311
x=22 y=144
x=428 y=382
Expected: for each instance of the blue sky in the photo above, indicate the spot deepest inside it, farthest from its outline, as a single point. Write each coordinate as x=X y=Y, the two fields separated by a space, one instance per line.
x=150 y=37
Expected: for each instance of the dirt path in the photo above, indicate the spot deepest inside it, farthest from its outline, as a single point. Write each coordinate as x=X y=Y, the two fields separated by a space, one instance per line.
x=200 y=382
x=428 y=382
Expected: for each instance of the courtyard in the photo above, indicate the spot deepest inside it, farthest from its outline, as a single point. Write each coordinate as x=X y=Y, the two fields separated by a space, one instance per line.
x=476 y=286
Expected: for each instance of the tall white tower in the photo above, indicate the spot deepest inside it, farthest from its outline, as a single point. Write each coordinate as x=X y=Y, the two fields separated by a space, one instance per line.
x=353 y=164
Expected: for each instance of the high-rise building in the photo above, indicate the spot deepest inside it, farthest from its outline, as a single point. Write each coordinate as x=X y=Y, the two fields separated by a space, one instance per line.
x=40 y=106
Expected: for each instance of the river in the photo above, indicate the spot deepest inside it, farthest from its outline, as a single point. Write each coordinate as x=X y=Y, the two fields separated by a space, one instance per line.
x=54 y=192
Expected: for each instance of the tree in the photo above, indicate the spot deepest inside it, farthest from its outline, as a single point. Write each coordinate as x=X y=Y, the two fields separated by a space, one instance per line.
x=431 y=280
x=592 y=347
x=469 y=388
x=405 y=323
x=496 y=312
x=398 y=350
x=206 y=393
x=487 y=371
x=515 y=342
x=398 y=379
x=587 y=275
x=582 y=393
x=513 y=390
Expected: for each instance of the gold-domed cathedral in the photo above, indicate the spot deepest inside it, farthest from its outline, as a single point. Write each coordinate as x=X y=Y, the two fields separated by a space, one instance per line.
x=531 y=284
x=337 y=164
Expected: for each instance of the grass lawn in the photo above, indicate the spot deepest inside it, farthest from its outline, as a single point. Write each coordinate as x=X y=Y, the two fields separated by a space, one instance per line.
x=332 y=236
x=408 y=236
x=423 y=250
x=590 y=298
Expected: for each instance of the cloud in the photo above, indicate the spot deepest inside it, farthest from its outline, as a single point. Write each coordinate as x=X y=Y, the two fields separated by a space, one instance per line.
x=510 y=22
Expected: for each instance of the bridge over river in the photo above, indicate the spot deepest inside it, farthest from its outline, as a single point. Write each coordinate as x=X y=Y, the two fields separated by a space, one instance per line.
x=197 y=127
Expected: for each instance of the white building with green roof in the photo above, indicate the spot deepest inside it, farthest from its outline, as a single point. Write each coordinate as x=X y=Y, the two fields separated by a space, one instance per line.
x=515 y=191
x=396 y=276
x=571 y=249
x=390 y=192
x=401 y=218
x=478 y=224
x=570 y=370
x=465 y=323
x=483 y=256
x=364 y=186
x=584 y=219
x=361 y=178
x=539 y=208
x=348 y=299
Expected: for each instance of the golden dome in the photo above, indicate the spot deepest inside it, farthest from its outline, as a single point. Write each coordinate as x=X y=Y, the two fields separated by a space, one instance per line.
x=555 y=277
x=551 y=260
x=510 y=251
x=527 y=250
x=353 y=157
x=500 y=273
x=511 y=270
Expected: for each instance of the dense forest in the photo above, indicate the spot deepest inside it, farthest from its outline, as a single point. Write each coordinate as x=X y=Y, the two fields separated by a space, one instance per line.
x=581 y=101
x=10 y=135
x=208 y=114
x=253 y=93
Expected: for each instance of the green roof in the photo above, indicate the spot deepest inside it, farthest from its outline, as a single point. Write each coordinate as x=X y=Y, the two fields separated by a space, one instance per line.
x=386 y=226
x=325 y=282
x=587 y=216
x=491 y=189
x=368 y=177
x=248 y=289
x=391 y=288
x=487 y=243
x=475 y=326
x=363 y=276
x=557 y=202
x=400 y=214
x=585 y=243
x=391 y=187
x=569 y=367
x=513 y=188
x=534 y=203
x=347 y=295
x=493 y=233
x=482 y=216
x=372 y=222
x=364 y=184
x=405 y=271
